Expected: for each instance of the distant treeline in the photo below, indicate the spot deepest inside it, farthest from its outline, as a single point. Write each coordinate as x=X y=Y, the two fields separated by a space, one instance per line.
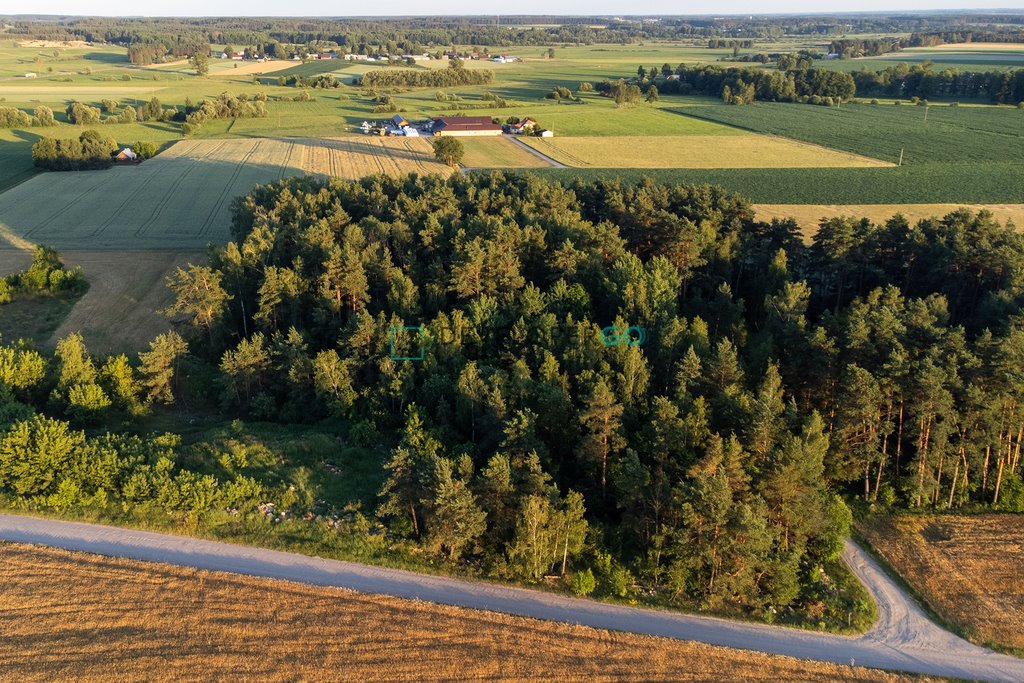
x=404 y=35
x=1001 y=87
x=744 y=85
x=433 y=78
x=805 y=84
x=143 y=50
x=996 y=36
x=850 y=48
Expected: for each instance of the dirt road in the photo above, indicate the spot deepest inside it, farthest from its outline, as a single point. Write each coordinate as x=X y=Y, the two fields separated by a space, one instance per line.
x=904 y=638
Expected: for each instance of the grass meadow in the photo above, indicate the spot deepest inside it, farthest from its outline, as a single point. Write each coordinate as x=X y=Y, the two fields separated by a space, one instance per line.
x=96 y=618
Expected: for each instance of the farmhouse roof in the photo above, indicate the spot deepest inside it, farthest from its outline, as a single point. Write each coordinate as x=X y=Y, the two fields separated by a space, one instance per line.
x=464 y=123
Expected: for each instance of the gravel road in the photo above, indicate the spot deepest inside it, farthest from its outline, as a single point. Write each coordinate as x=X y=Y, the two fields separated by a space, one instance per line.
x=904 y=638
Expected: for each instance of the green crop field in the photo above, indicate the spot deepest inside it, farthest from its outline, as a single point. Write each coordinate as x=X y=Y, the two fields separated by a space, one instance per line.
x=951 y=135
x=994 y=183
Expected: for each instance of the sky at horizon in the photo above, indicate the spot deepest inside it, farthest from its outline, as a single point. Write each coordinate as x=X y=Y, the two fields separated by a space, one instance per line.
x=326 y=8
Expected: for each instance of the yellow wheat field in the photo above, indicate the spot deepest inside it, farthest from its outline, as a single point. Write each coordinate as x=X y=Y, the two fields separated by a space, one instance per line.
x=695 y=151
x=181 y=199
x=808 y=216
x=73 y=616
x=968 y=569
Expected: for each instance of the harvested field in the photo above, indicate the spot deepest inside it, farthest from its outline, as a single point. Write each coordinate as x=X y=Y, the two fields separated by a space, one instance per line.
x=248 y=68
x=181 y=199
x=127 y=289
x=120 y=311
x=968 y=569
x=498 y=152
x=87 y=617
x=357 y=157
x=53 y=43
x=696 y=151
x=809 y=215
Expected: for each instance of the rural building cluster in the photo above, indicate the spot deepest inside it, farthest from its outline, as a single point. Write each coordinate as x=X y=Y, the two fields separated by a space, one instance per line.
x=453 y=126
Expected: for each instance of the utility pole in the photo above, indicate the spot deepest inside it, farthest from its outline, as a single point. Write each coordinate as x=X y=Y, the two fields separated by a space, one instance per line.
x=901 y=157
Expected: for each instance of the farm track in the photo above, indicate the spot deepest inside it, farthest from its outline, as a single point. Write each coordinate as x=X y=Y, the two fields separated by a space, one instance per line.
x=904 y=639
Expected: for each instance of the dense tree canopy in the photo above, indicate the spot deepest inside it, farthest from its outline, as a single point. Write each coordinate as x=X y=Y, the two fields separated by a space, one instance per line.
x=476 y=329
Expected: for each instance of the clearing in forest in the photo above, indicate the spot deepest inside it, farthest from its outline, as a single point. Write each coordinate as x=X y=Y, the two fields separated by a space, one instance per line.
x=696 y=151
x=88 y=617
x=968 y=569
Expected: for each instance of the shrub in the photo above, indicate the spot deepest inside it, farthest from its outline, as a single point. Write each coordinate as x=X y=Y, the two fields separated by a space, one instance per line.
x=43 y=116
x=12 y=117
x=145 y=150
x=583 y=583
x=79 y=113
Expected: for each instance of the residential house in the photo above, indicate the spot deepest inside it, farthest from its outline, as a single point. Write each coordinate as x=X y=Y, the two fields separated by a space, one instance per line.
x=522 y=126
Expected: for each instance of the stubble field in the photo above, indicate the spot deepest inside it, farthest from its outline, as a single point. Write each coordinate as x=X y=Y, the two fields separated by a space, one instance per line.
x=968 y=569
x=696 y=151
x=91 y=618
x=808 y=216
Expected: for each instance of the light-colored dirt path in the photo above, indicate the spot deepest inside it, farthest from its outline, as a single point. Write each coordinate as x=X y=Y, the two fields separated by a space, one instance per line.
x=537 y=153
x=904 y=639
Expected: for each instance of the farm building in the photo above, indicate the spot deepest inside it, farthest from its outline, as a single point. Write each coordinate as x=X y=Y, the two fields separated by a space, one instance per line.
x=465 y=125
x=126 y=155
x=398 y=121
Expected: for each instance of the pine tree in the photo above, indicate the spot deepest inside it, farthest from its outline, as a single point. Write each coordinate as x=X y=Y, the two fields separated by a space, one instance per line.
x=601 y=419
x=159 y=365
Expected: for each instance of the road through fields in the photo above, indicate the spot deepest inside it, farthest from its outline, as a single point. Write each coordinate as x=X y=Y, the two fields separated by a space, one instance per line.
x=903 y=639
